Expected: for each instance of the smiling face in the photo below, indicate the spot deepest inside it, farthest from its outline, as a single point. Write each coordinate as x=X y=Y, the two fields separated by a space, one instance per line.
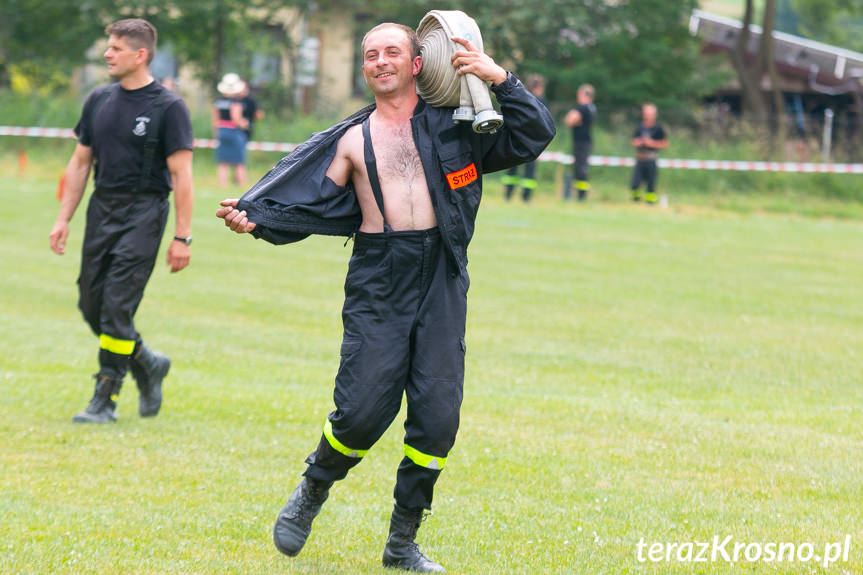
x=388 y=65
x=122 y=58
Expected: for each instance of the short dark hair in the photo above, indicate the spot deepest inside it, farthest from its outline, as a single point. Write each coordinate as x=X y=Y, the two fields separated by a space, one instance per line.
x=139 y=33
x=413 y=40
x=535 y=82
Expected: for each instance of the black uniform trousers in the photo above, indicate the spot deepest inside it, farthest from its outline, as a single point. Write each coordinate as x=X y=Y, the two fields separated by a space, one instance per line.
x=580 y=170
x=644 y=171
x=528 y=183
x=404 y=321
x=121 y=243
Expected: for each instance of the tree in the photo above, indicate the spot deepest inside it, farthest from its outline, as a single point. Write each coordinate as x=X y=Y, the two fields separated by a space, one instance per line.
x=44 y=39
x=751 y=69
x=630 y=51
x=838 y=22
x=211 y=33
x=40 y=40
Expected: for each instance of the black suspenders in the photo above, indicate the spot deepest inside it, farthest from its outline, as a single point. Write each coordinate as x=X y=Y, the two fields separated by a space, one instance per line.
x=152 y=141
x=372 y=168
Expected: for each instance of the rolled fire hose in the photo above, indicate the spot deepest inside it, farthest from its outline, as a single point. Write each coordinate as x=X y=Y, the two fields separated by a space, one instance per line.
x=439 y=84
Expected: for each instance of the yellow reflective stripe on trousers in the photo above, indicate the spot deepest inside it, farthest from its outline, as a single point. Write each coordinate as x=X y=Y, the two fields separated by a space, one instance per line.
x=338 y=445
x=582 y=184
x=528 y=183
x=423 y=459
x=118 y=346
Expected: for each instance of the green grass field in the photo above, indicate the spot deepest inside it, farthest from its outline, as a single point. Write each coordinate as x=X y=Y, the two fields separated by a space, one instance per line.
x=672 y=375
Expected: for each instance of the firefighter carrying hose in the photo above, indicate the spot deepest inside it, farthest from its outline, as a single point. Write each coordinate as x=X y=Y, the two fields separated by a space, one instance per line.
x=139 y=137
x=406 y=181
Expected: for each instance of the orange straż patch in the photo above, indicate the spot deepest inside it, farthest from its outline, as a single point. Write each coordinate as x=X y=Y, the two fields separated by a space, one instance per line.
x=462 y=178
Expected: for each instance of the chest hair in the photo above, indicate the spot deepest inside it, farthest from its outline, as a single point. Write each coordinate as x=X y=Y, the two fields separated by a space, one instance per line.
x=398 y=158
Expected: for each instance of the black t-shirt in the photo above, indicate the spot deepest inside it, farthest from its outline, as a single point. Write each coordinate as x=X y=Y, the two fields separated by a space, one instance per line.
x=223 y=106
x=250 y=108
x=654 y=132
x=118 y=130
x=581 y=132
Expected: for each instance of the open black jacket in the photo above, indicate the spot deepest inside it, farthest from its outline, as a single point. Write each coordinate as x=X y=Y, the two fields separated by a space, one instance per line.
x=295 y=199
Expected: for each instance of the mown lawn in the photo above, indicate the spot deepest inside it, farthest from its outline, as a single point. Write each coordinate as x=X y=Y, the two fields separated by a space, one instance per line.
x=672 y=375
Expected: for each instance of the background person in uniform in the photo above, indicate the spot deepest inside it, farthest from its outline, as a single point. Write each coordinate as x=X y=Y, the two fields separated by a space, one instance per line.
x=410 y=180
x=128 y=210
x=251 y=111
x=580 y=121
x=511 y=180
x=648 y=138
x=230 y=127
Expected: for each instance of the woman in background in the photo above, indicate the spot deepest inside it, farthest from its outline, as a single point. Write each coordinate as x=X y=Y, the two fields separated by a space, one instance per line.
x=230 y=125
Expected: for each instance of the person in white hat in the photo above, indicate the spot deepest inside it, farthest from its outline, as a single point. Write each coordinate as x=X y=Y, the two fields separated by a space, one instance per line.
x=229 y=126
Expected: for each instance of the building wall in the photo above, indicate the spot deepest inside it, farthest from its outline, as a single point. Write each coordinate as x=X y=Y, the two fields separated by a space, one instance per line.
x=336 y=35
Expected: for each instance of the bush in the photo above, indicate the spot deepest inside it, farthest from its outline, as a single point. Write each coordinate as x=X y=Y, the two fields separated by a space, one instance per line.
x=17 y=109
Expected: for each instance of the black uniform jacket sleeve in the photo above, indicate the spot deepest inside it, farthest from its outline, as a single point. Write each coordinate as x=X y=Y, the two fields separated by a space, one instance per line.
x=527 y=130
x=295 y=198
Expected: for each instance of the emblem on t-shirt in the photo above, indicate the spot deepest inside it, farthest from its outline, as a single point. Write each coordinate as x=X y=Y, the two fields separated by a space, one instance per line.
x=141 y=126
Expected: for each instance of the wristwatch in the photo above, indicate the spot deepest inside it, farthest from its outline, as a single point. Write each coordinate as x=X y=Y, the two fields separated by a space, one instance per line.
x=187 y=241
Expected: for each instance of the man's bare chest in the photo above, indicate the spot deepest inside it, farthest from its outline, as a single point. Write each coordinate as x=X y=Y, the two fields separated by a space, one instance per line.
x=398 y=160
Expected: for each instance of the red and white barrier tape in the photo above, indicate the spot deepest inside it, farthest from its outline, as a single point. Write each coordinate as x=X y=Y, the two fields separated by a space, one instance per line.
x=730 y=165
x=199 y=142
x=559 y=157
x=36 y=132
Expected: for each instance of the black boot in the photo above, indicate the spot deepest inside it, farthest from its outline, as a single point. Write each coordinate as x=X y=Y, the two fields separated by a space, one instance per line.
x=104 y=403
x=295 y=519
x=149 y=369
x=401 y=551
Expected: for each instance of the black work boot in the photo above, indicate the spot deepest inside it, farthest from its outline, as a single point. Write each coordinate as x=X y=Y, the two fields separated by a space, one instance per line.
x=149 y=369
x=401 y=552
x=295 y=519
x=104 y=403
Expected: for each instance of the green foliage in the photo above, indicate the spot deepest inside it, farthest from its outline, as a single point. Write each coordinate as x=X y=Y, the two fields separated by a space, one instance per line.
x=42 y=37
x=41 y=40
x=630 y=51
x=215 y=34
x=837 y=22
x=34 y=109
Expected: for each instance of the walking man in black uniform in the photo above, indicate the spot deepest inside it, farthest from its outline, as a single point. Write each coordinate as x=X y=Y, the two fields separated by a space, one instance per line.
x=580 y=121
x=410 y=180
x=138 y=136
x=647 y=140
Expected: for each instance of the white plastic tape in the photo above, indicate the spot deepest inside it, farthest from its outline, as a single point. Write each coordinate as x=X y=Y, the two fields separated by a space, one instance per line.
x=557 y=157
